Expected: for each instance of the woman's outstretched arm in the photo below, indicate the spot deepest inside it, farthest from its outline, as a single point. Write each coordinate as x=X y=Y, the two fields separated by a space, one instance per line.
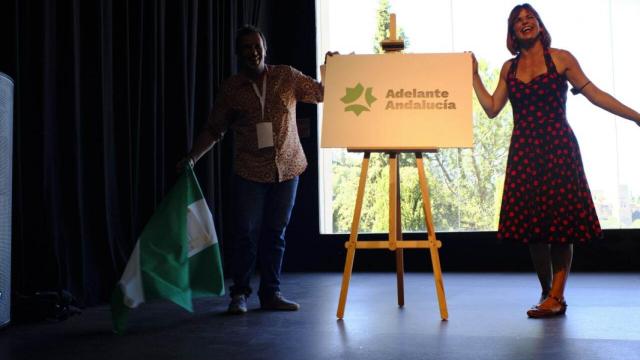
x=600 y=98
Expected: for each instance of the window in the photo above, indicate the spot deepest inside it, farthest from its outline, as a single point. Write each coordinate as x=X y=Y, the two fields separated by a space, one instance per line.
x=466 y=184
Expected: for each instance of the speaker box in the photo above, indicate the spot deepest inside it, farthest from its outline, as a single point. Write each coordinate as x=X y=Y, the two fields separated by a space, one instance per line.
x=6 y=153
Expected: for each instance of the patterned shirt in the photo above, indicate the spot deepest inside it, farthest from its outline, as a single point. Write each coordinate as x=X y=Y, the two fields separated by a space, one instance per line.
x=238 y=108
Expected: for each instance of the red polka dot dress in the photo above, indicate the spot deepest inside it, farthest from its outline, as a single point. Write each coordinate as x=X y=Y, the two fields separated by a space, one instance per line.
x=546 y=195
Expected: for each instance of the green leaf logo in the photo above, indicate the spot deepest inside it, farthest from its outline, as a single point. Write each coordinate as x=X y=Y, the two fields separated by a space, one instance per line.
x=353 y=94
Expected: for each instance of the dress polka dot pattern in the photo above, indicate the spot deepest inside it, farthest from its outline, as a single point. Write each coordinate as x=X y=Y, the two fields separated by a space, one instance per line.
x=546 y=195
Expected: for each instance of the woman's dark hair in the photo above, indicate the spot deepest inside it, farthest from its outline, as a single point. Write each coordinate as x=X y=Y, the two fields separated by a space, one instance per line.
x=248 y=30
x=512 y=42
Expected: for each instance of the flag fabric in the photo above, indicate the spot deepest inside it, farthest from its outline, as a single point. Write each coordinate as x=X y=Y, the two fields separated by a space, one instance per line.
x=176 y=257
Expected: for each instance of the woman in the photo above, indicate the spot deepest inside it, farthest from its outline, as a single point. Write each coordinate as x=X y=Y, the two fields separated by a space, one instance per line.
x=546 y=202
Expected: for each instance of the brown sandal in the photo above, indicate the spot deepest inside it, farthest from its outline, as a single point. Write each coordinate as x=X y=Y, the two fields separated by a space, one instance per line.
x=538 y=312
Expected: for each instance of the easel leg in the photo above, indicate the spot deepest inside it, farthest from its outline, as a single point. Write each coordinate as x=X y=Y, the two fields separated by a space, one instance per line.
x=395 y=223
x=346 y=277
x=400 y=275
x=353 y=237
x=437 y=277
x=433 y=243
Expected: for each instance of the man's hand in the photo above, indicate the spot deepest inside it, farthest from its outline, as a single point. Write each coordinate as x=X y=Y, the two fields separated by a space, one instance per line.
x=185 y=161
x=323 y=66
x=329 y=54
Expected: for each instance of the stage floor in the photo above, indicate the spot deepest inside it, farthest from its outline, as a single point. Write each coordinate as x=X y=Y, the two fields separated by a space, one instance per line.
x=487 y=320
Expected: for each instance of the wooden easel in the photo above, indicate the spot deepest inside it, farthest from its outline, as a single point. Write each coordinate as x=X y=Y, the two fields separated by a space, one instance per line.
x=395 y=241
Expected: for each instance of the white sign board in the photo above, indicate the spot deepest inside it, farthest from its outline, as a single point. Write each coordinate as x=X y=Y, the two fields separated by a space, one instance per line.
x=398 y=101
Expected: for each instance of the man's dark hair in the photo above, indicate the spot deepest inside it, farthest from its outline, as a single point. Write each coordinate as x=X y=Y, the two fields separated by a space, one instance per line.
x=248 y=30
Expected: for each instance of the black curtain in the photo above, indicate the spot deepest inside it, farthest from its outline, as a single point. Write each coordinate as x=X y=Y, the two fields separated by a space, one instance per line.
x=109 y=96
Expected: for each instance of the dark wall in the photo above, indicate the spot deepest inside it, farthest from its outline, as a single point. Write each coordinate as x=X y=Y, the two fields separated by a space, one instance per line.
x=108 y=97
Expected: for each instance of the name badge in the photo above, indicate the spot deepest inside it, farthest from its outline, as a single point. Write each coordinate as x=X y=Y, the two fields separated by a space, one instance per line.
x=265 y=134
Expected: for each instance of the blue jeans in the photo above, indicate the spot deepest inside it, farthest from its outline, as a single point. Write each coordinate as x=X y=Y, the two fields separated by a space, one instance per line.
x=261 y=213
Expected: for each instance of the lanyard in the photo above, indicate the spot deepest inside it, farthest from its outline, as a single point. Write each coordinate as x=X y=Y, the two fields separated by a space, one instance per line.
x=262 y=96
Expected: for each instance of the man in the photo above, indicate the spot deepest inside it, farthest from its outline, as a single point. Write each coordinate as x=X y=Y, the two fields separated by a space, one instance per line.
x=259 y=105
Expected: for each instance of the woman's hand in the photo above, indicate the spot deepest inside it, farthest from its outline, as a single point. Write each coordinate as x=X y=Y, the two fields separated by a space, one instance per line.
x=474 y=63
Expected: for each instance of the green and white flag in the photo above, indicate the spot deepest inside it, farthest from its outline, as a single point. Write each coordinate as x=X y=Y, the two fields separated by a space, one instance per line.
x=177 y=256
